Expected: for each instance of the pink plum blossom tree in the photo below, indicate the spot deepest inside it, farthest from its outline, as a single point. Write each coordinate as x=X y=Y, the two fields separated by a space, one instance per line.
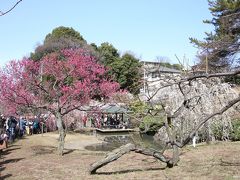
x=59 y=83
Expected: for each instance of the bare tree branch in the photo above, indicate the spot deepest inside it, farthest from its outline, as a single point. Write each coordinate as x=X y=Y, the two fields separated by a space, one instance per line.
x=194 y=77
x=192 y=134
x=3 y=13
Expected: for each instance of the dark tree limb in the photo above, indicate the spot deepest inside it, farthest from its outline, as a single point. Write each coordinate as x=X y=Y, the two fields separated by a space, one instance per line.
x=3 y=13
x=156 y=154
x=112 y=156
x=117 y=153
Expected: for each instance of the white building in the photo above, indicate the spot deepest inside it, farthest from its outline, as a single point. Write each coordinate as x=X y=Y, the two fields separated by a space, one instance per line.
x=155 y=76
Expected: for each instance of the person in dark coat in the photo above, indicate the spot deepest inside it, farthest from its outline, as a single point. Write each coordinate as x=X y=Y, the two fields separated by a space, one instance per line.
x=2 y=124
x=12 y=124
x=36 y=125
x=22 y=126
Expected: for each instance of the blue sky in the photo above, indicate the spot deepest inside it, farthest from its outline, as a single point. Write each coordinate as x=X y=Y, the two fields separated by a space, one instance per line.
x=148 y=28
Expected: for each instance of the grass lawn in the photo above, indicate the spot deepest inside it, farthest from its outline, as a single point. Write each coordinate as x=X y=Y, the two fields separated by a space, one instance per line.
x=34 y=157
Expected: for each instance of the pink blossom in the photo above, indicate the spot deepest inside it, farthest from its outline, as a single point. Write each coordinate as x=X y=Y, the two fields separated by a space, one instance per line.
x=59 y=81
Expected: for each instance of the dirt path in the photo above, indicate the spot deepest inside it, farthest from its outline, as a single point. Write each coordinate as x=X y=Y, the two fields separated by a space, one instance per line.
x=35 y=158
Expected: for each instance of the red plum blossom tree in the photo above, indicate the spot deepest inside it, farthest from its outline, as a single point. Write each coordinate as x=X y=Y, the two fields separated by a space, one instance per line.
x=59 y=83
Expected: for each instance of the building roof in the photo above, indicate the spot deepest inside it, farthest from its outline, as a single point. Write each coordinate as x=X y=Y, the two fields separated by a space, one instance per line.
x=113 y=108
x=163 y=69
x=155 y=66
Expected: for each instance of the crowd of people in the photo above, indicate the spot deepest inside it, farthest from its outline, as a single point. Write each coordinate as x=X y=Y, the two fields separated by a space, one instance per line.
x=110 y=121
x=12 y=127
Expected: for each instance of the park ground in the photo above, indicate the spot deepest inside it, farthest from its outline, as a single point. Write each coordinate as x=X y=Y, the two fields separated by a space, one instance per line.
x=35 y=157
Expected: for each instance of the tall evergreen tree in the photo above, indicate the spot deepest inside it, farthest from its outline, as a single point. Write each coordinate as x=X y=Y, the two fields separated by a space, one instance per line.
x=221 y=47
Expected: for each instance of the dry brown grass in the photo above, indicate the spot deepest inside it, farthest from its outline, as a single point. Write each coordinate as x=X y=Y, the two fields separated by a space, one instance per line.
x=35 y=158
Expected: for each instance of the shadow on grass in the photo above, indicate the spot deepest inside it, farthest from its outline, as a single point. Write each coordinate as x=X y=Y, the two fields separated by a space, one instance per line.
x=1 y=169
x=129 y=170
x=7 y=151
x=5 y=176
x=10 y=161
x=14 y=145
x=3 y=160
x=41 y=150
x=227 y=163
x=68 y=151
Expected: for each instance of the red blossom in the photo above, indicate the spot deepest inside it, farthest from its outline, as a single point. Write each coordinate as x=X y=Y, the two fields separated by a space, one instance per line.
x=60 y=81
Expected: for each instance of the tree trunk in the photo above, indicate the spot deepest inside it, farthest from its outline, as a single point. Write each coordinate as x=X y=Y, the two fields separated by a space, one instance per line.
x=117 y=153
x=175 y=157
x=62 y=133
x=112 y=156
x=171 y=132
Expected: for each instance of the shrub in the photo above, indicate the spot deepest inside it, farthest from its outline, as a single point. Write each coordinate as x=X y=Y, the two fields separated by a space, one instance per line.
x=217 y=130
x=151 y=124
x=235 y=134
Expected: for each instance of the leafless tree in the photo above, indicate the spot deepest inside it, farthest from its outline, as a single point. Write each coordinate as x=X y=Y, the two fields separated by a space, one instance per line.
x=173 y=143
